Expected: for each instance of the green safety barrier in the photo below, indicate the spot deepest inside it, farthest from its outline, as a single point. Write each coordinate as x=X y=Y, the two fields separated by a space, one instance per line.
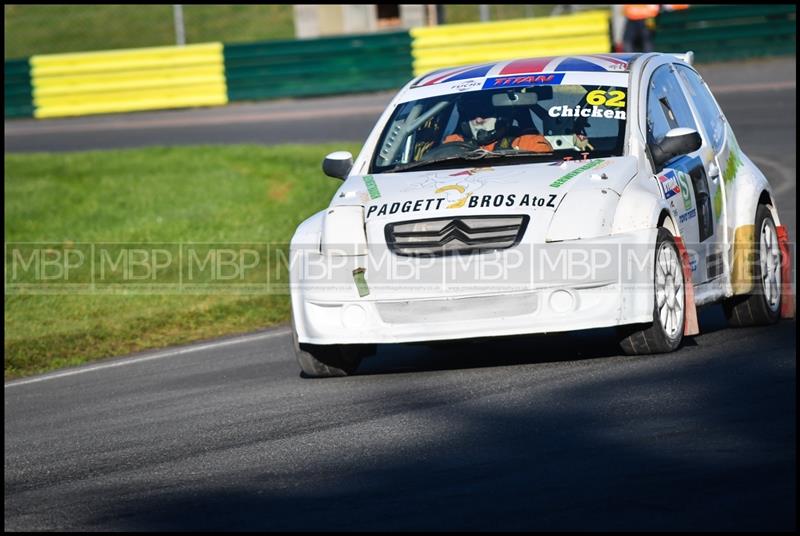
x=726 y=32
x=17 y=89
x=331 y=65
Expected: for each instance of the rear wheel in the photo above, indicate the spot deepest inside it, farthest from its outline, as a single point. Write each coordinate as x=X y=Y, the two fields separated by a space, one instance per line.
x=666 y=331
x=763 y=304
x=329 y=360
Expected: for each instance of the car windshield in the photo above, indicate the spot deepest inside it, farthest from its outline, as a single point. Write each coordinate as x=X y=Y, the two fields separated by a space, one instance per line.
x=504 y=126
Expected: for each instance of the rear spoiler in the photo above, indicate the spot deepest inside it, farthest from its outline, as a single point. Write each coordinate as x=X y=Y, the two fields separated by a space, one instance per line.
x=686 y=57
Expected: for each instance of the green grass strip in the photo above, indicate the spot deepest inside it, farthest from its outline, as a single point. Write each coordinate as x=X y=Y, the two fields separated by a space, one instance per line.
x=219 y=194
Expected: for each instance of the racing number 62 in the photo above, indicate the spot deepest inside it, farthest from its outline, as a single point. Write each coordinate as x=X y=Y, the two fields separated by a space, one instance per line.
x=616 y=98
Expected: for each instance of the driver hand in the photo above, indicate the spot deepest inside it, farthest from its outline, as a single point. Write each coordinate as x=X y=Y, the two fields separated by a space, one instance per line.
x=581 y=142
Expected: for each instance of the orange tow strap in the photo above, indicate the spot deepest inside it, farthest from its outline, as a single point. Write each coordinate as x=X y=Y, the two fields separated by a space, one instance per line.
x=690 y=323
x=787 y=296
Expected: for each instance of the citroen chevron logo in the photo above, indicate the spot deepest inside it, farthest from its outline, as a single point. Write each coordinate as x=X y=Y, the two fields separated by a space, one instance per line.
x=429 y=237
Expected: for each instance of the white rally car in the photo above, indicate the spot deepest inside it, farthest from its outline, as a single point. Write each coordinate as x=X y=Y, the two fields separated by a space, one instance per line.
x=539 y=195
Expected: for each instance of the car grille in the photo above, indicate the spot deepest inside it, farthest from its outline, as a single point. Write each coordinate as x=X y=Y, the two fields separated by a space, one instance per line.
x=447 y=236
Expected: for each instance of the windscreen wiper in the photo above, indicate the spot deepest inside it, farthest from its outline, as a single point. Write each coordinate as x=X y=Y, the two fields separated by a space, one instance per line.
x=477 y=154
x=513 y=153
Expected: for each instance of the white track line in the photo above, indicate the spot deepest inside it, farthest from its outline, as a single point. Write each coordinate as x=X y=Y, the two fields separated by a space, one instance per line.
x=787 y=184
x=133 y=123
x=755 y=86
x=151 y=357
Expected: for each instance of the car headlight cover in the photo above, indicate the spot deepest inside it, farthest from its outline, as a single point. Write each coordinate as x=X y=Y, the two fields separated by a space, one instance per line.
x=584 y=214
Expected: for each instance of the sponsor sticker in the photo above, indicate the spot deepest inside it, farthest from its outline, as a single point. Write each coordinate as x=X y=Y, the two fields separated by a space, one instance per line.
x=466 y=200
x=687 y=216
x=685 y=193
x=734 y=161
x=574 y=173
x=458 y=203
x=372 y=188
x=454 y=190
x=586 y=111
x=406 y=206
x=669 y=184
x=523 y=80
x=511 y=200
x=466 y=85
x=614 y=98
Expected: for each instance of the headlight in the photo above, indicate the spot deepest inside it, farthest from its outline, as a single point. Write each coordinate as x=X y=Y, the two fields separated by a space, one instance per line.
x=584 y=214
x=343 y=231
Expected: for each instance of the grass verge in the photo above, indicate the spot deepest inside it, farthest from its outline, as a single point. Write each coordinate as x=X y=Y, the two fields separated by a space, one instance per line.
x=53 y=29
x=221 y=194
x=49 y=29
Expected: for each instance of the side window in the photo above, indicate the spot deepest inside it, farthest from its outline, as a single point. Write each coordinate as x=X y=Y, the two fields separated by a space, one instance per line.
x=667 y=107
x=710 y=114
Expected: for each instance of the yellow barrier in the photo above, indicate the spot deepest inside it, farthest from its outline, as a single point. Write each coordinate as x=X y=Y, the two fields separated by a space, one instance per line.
x=128 y=80
x=462 y=44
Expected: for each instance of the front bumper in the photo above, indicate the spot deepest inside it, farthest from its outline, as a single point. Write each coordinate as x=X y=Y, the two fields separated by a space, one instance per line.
x=396 y=312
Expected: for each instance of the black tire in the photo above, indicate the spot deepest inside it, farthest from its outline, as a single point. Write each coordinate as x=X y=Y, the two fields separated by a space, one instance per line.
x=653 y=338
x=328 y=361
x=753 y=309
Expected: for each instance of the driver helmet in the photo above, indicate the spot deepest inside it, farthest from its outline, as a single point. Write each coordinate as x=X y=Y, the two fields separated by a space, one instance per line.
x=481 y=123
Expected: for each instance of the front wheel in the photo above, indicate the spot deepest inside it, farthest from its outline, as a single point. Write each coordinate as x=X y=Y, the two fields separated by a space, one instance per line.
x=326 y=361
x=763 y=304
x=666 y=331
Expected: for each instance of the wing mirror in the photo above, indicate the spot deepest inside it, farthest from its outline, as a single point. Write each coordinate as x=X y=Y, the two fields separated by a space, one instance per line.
x=678 y=141
x=338 y=164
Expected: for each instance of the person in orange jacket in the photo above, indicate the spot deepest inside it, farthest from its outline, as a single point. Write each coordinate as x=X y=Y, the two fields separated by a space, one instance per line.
x=485 y=129
x=639 y=22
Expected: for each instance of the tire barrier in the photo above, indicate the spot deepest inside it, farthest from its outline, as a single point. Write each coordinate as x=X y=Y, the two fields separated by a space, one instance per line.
x=451 y=45
x=128 y=80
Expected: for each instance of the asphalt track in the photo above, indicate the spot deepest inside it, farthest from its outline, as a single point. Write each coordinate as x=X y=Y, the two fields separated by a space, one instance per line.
x=547 y=432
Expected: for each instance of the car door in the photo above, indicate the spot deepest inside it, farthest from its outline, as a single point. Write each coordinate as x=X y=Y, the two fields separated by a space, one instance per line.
x=688 y=182
x=719 y=144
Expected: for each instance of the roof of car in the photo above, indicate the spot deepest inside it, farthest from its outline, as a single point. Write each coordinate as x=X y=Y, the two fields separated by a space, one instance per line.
x=611 y=62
